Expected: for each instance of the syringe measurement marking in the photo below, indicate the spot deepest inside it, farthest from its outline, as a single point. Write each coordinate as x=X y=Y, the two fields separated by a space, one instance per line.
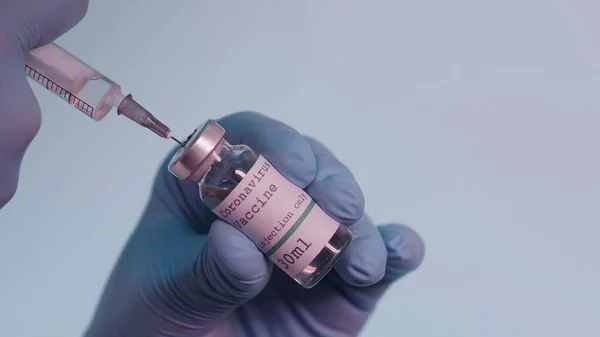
x=60 y=91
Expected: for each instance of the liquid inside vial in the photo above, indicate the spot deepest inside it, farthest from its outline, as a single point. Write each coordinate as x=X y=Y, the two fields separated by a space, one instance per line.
x=225 y=174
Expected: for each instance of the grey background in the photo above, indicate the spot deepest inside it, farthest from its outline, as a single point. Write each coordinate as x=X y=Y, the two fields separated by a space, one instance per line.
x=475 y=122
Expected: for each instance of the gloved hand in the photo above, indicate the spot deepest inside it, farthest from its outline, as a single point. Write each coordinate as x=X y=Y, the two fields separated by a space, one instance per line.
x=25 y=25
x=186 y=273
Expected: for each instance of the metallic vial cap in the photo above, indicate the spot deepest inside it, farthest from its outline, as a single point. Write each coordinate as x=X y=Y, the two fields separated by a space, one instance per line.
x=200 y=151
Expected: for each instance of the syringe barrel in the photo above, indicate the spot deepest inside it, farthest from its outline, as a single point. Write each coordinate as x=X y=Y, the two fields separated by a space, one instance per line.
x=72 y=79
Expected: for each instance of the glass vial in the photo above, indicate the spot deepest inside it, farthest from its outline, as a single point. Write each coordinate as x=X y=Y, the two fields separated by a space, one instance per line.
x=245 y=190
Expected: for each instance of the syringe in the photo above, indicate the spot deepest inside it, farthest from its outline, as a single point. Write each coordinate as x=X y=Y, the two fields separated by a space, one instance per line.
x=85 y=88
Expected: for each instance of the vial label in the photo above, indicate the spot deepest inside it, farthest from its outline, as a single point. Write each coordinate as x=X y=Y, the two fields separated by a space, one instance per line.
x=282 y=220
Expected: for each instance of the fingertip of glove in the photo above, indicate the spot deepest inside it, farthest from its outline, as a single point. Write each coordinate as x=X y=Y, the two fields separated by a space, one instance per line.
x=363 y=263
x=364 y=270
x=405 y=249
x=9 y=184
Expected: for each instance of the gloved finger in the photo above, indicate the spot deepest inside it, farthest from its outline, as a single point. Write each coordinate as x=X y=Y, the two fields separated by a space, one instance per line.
x=279 y=143
x=334 y=187
x=19 y=122
x=363 y=263
x=35 y=23
x=405 y=253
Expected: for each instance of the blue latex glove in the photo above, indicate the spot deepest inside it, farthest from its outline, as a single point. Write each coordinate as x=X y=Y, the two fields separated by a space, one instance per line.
x=185 y=273
x=25 y=25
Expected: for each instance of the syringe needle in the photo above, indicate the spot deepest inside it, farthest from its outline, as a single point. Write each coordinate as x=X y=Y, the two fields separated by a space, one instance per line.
x=177 y=141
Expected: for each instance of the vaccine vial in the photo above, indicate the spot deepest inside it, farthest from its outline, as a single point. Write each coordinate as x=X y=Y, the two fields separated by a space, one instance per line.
x=246 y=191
